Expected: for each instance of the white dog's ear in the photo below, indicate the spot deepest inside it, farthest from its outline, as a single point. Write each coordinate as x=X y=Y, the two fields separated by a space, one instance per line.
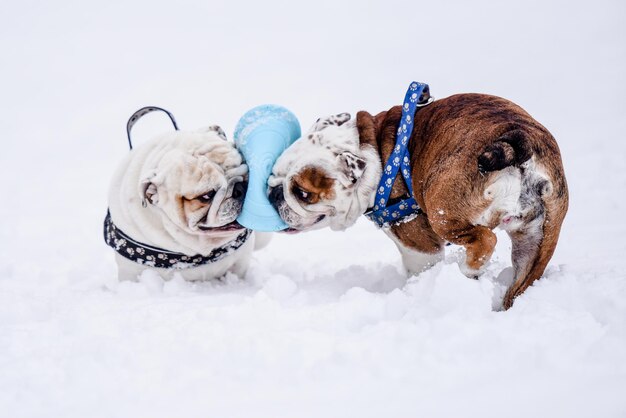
x=336 y=120
x=351 y=166
x=148 y=191
x=214 y=128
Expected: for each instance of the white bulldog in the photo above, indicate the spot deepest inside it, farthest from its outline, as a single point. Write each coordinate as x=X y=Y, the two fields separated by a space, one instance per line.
x=173 y=202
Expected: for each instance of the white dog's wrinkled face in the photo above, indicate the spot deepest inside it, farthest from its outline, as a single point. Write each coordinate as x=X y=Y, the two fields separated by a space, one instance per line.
x=325 y=178
x=197 y=180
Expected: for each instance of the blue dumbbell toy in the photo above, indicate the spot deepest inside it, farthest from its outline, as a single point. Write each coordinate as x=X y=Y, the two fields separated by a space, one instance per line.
x=261 y=135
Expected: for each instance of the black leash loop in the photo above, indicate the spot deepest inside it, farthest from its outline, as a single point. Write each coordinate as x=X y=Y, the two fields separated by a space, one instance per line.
x=142 y=112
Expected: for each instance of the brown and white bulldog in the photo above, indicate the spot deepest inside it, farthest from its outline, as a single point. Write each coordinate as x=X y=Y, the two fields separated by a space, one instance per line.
x=478 y=162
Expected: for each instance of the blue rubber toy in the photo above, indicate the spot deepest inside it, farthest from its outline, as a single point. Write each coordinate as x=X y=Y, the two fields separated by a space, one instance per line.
x=261 y=135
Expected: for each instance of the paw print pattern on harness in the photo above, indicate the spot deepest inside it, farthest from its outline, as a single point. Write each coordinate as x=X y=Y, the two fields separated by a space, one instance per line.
x=157 y=257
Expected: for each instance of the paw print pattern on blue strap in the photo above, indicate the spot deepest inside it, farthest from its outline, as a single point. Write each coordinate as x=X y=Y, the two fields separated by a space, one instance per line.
x=417 y=95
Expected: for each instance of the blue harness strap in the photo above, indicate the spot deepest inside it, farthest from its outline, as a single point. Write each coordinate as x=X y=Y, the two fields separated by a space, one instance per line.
x=416 y=96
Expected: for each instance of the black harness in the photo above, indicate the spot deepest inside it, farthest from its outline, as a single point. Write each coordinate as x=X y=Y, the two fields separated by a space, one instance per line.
x=158 y=257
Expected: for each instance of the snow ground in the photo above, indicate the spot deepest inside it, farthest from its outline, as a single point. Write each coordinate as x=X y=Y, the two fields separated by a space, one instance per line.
x=324 y=324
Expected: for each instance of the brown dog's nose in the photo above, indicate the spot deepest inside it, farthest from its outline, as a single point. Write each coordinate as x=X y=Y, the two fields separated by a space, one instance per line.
x=276 y=196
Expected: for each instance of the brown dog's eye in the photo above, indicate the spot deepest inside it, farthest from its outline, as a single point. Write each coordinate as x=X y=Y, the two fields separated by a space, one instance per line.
x=301 y=194
x=208 y=197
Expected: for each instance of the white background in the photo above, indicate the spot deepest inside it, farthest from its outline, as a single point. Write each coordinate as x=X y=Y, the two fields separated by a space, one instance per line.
x=324 y=324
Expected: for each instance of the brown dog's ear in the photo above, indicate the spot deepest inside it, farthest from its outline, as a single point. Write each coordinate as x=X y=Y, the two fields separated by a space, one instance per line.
x=370 y=127
x=351 y=166
x=366 y=125
x=337 y=120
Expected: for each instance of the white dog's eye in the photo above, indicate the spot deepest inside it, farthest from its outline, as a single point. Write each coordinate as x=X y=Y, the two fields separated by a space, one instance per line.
x=206 y=198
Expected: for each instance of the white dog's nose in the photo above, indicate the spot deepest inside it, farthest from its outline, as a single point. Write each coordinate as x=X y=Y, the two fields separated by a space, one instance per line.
x=239 y=190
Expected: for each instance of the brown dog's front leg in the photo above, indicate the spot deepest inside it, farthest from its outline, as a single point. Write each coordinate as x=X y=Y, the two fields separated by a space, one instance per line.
x=420 y=246
x=479 y=243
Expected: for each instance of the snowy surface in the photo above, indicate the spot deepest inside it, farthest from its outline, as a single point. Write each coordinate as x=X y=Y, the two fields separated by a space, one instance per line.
x=324 y=324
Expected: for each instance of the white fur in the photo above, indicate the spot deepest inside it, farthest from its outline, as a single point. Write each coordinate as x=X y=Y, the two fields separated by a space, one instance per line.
x=507 y=193
x=504 y=193
x=179 y=163
x=415 y=261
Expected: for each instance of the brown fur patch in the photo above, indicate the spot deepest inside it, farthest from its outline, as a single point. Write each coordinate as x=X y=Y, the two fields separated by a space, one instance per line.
x=316 y=183
x=418 y=235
